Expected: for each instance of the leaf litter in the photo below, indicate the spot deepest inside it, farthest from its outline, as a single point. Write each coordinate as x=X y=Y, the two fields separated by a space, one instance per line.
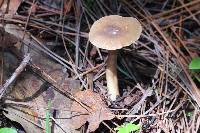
x=158 y=61
x=95 y=112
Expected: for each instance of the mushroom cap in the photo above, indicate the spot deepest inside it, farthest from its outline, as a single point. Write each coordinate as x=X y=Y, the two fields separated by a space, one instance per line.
x=114 y=32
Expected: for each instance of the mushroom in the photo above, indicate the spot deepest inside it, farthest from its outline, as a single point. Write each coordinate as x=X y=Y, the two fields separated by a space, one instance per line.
x=111 y=33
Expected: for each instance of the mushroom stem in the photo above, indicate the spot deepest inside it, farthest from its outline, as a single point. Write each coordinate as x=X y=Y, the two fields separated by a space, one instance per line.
x=111 y=75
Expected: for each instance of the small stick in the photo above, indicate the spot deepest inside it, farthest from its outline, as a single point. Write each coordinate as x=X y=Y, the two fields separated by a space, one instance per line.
x=15 y=74
x=146 y=115
x=90 y=70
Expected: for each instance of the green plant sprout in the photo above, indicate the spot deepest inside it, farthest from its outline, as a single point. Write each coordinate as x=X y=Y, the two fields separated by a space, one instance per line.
x=8 y=130
x=127 y=128
x=194 y=66
x=47 y=118
x=189 y=114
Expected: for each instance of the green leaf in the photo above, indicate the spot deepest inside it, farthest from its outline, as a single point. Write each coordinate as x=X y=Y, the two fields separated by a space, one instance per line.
x=127 y=128
x=195 y=63
x=8 y=130
x=133 y=127
x=189 y=114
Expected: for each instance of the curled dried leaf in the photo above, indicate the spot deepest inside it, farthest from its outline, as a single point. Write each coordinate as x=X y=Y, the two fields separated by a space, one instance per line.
x=95 y=113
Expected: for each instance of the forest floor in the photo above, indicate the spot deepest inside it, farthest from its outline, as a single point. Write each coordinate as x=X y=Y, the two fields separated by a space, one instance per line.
x=54 y=80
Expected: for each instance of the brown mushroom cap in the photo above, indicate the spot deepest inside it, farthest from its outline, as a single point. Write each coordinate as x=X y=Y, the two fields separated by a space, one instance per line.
x=114 y=32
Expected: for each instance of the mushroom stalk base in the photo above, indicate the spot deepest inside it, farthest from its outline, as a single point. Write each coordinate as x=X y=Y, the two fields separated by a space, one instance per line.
x=111 y=75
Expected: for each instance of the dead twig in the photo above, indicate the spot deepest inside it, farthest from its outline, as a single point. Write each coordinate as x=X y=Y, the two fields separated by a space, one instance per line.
x=17 y=72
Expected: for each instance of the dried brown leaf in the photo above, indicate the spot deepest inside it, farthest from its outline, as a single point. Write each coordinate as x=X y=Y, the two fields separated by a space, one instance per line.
x=95 y=112
x=10 y=7
x=29 y=89
x=7 y=39
x=67 y=6
x=13 y=6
